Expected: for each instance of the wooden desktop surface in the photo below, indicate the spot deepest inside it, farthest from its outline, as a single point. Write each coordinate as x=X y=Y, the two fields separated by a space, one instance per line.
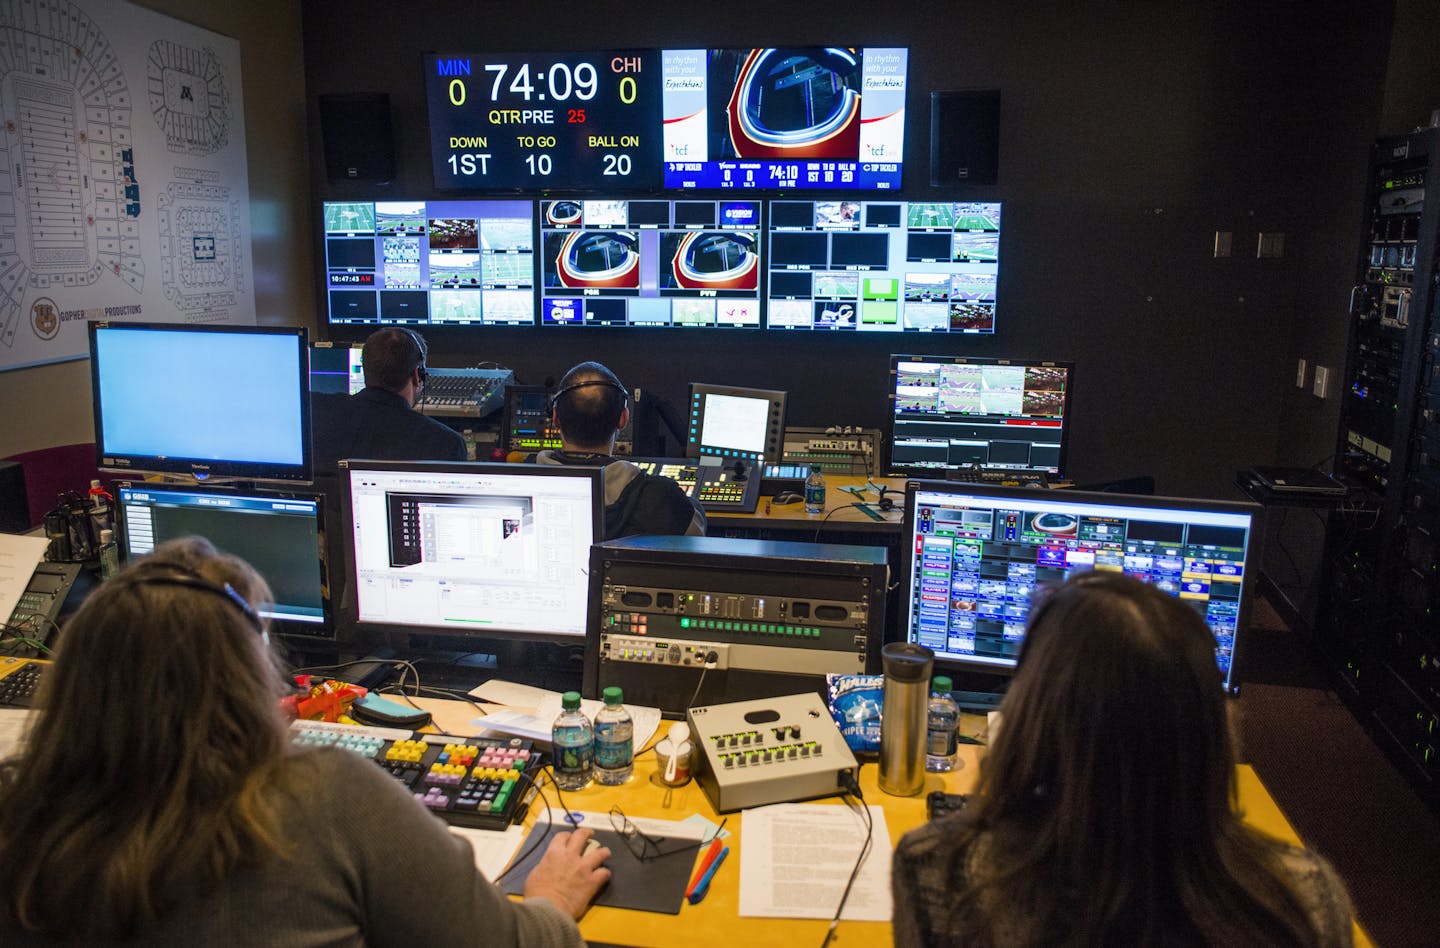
x=716 y=920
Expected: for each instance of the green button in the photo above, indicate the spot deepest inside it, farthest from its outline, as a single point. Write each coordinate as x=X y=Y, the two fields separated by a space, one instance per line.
x=684 y=623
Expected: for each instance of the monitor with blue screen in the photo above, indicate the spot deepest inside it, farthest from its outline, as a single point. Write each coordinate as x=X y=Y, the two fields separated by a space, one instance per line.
x=226 y=401
x=975 y=555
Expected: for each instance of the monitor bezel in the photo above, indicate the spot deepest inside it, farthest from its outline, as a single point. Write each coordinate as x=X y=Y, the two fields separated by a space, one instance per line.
x=202 y=468
x=902 y=470
x=350 y=611
x=1248 y=583
x=325 y=628
x=775 y=421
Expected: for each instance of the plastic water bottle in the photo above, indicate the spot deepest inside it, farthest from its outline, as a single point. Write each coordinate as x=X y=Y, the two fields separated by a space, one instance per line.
x=943 y=721
x=815 y=491
x=574 y=741
x=614 y=740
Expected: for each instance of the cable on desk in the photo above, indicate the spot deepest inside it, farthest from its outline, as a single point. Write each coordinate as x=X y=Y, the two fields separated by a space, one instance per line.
x=549 y=818
x=852 y=786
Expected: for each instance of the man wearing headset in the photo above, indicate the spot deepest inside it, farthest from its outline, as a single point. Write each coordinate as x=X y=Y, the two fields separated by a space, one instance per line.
x=590 y=408
x=380 y=421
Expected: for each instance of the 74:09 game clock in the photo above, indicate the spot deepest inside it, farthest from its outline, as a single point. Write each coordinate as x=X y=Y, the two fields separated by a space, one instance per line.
x=545 y=121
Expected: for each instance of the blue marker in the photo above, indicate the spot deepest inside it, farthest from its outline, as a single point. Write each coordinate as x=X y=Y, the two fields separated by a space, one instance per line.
x=704 y=884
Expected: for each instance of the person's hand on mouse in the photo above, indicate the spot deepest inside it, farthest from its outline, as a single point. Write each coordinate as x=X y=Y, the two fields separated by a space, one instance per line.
x=569 y=874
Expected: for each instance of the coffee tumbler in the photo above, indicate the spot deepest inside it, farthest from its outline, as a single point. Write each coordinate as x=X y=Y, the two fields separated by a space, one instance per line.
x=902 y=718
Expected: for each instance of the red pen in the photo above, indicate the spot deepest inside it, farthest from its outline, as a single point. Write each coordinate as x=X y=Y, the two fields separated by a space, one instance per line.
x=710 y=854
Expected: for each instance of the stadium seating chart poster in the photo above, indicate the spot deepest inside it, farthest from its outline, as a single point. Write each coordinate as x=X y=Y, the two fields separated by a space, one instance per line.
x=123 y=189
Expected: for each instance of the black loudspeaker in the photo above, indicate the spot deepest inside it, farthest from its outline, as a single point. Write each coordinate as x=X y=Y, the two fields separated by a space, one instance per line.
x=14 y=506
x=359 y=145
x=964 y=137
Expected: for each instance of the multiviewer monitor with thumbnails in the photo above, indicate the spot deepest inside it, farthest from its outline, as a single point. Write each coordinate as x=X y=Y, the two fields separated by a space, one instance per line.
x=976 y=555
x=484 y=550
x=204 y=400
x=949 y=413
x=734 y=424
x=280 y=534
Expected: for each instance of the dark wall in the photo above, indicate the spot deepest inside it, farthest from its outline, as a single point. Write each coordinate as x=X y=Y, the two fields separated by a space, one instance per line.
x=1130 y=134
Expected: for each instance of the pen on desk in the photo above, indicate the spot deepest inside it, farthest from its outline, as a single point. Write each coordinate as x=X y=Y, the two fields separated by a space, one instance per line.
x=704 y=885
x=710 y=856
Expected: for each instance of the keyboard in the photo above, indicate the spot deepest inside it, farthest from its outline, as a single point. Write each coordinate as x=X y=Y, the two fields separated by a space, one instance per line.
x=476 y=782
x=19 y=677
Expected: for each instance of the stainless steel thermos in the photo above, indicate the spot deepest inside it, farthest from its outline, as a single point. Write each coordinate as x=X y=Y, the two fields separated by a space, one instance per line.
x=902 y=718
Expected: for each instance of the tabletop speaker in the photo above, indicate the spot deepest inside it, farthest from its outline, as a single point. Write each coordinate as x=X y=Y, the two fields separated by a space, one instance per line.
x=359 y=144
x=964 y=137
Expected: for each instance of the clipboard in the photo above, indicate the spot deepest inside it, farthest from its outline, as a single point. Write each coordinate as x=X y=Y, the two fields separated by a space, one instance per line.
x=654 y=885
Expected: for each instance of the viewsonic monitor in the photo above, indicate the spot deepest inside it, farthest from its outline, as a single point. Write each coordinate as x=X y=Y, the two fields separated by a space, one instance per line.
x=483 y=550
x=280 y=534
x=884 y=266
x=430 y=263
x=949 y=412
x=729 y=423
x=203 y=400
x=659 y=264
x=815 y=117
x=975 y=555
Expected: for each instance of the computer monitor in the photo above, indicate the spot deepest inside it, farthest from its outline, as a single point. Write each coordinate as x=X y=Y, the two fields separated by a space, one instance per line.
x=974 y=555
x=481 y=550
x=883 y=266
x=949 y=412
x=657 y=264
x=203 y=400
x=280 y=534
x=728 y=423
x=336 y=369
x=430 y=263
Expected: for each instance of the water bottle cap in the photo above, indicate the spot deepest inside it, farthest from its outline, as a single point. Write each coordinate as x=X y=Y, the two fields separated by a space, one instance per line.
x=570 y=701
x=941 y=683
x=612 y=695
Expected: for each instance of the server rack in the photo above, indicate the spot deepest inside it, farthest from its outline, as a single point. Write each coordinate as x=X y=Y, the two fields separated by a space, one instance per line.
x=1379 y=626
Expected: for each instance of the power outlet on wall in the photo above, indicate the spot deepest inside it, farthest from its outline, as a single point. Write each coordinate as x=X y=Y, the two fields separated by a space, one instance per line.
x=1322 y=382
x=1300 y=374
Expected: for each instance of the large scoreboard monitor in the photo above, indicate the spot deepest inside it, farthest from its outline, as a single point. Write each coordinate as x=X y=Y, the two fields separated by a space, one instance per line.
x=650 y=263
x=517 y=121
x=830 y=118
x=437 y=263
x=883 y=266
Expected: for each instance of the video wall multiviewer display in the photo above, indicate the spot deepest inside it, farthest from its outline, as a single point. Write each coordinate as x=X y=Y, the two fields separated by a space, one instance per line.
x=436 y=263
x=883 y=266
x=617 y=121
x=657 y=263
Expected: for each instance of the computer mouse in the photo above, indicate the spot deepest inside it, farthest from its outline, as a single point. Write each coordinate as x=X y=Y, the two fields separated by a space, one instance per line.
x=788 y=497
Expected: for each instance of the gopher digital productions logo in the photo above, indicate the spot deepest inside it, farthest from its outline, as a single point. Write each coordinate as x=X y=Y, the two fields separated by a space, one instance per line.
x=45 y=318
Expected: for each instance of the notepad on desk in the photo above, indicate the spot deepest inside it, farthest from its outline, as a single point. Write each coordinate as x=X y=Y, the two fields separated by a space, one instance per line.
x=527 y=711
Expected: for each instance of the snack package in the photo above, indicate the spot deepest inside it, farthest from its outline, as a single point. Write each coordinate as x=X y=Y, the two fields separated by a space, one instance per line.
x=855 y=702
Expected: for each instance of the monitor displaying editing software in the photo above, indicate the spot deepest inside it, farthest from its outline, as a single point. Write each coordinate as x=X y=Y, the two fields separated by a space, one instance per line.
x=687 y=264
x=976 y=555
x=487 y=550
x=883 y=266
x=430 y=263
x=227 y=401
x=336 y=369
x=277 y=533
x=949 y=412
x=730 y=423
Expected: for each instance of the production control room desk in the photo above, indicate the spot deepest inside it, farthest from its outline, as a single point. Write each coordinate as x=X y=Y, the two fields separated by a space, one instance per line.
x=839 y=516
x=716 y=920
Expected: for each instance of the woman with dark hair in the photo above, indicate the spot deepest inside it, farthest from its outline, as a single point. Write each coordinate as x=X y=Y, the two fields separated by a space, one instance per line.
x=159 y=800
x=1105 y=809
